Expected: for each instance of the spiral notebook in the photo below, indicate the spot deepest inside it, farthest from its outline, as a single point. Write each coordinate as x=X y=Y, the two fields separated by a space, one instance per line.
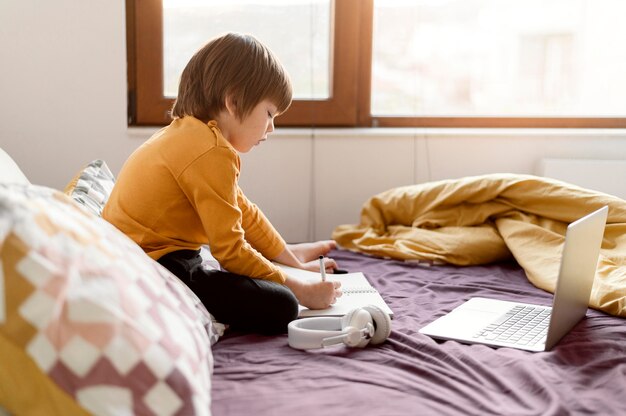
x=357 y=292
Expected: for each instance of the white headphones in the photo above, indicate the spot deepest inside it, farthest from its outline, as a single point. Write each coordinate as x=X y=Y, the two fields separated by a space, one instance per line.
x=357 y=328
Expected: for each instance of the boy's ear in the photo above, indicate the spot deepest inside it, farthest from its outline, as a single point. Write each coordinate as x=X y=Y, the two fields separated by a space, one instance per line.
x=231 y=105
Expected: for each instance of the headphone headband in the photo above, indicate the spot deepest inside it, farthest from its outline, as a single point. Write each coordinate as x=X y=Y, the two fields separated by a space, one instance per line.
x=309 y=333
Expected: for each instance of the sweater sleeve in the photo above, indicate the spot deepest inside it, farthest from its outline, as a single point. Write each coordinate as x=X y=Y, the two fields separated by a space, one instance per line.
x=210 y=183
x=259 y=231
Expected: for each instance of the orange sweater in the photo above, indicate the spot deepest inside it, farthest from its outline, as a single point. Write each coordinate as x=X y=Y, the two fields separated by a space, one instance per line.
x=179 y=191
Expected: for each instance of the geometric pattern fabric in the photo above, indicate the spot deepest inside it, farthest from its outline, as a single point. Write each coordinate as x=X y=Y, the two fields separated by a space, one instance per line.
x=102 y=322
x=92 y=186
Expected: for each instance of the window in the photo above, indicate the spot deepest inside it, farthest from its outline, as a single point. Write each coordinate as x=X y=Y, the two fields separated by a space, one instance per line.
x=303 y=33
x=306 y=56
x=454 y=63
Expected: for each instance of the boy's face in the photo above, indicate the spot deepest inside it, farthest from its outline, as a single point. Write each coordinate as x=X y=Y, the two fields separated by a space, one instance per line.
x=244 y=134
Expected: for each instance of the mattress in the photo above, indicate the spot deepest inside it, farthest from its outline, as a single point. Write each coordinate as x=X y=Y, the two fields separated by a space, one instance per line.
x=411 y=373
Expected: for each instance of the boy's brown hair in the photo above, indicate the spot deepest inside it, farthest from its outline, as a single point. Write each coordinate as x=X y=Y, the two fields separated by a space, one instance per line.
x=234 y=65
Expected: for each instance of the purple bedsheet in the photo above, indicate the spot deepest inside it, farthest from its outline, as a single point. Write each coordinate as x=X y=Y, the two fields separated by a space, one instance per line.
x=411 y=374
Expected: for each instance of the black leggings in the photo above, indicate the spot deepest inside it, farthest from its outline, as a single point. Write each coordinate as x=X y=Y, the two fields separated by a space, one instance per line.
x=246 y=304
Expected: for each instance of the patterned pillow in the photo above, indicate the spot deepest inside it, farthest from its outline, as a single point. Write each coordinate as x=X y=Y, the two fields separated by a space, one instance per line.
x=92 y=186
x=88 y=322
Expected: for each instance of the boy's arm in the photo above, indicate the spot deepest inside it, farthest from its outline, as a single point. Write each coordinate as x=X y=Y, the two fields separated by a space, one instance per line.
x=262 y=235
x=214 y=193
x=259 y=231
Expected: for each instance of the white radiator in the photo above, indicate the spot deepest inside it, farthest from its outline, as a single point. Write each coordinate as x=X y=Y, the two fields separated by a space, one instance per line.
x=607 y=176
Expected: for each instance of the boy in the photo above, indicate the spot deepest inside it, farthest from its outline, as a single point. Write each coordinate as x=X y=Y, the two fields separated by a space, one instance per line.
x=179 y=191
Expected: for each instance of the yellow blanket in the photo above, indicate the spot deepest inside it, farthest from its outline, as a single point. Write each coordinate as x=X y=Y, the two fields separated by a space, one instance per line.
x=483 y=219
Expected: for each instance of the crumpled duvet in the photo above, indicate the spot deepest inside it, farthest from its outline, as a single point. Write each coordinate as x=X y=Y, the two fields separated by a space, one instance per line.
x=489 y=218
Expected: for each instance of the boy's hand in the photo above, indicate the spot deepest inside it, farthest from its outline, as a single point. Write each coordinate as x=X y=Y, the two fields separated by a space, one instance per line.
x=315 y=295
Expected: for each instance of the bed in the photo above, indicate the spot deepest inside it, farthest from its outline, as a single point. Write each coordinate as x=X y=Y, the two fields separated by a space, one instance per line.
x=413 y=374
x=91 y=325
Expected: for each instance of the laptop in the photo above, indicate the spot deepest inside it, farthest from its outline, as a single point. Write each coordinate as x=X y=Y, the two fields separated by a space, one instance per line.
x=499 y=323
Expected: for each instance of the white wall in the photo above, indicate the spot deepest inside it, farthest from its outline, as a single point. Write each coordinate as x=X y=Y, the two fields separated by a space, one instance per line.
x=337 y=170
x=63 y=88
x=63 y=85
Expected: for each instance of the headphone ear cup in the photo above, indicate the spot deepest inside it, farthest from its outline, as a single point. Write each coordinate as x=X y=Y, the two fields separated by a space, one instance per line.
x=382 y=324
x=345 y=320
x=352 y=323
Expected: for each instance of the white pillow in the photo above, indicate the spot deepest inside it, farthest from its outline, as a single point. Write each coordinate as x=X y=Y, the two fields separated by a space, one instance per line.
x=9 y=171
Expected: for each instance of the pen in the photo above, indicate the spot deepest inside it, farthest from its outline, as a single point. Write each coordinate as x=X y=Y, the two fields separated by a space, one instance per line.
x=322 y=269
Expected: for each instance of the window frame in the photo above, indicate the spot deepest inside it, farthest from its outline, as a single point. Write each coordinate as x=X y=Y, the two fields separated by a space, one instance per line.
x=349 y=104
x=148 y=106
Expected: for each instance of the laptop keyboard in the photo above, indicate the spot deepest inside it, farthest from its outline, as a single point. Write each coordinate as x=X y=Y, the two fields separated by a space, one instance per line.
x=521 y=325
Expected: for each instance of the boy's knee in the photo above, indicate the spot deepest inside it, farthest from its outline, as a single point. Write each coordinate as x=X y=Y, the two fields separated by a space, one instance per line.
x=282 y=308
x=290 y=305
x=246 y=304
x=285 y=309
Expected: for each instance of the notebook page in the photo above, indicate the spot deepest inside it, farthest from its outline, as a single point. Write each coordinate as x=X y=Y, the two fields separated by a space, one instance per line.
x=357 y=292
